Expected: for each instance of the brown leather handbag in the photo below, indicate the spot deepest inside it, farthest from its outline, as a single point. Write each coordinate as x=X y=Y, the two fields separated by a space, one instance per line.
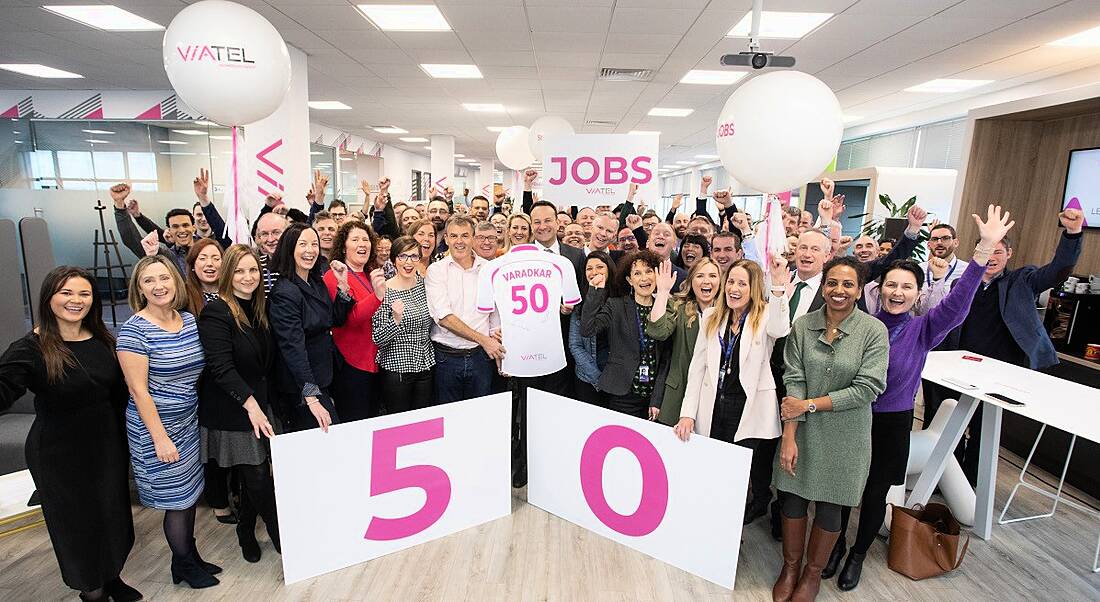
x=924 y=541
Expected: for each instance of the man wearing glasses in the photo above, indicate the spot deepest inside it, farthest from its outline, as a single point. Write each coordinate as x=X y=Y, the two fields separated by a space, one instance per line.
x=942 y=243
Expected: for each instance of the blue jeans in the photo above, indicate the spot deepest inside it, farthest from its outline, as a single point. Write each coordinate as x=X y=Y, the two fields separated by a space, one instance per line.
x=464 y=375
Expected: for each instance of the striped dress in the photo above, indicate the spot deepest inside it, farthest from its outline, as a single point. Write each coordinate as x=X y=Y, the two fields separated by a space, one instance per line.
x=175 y=364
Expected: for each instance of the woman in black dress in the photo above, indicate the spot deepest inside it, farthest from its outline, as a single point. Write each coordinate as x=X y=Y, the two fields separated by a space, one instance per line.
x=76 y=449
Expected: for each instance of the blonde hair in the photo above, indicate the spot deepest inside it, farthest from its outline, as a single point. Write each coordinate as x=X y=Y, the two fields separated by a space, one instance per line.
x=230 y=261
x=137 y=299
x=757 y=303
x=508 y=237
x=685 y=300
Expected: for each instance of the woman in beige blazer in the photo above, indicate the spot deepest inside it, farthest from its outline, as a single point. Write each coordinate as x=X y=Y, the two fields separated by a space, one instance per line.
x=731 y=396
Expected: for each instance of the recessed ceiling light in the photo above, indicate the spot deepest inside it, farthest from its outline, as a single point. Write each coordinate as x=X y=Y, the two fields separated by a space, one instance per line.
x=36 y=70
x=98 y=132
x=1083 y=39
x=405 y=17
x=780 y=25
x=213 y=137
x=105 y=16
x=18 y=141
x=712 y=78
x=686 y=162
x=328 y=105
x=171 y=141
x=707 y=157
x=94 y=141
x=669 y=112
x=190 y=132
x=496 y=129
x=451 y=71
x=483 y=107
x=644 y=133
x=413 y=139
x=389 y=129
x=947 y=86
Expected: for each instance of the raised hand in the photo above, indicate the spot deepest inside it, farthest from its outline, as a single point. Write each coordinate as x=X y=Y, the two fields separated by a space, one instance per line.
x=704 y=184
x=317 y=190
x=677 y=201
x=132 y=208
x=827 y=188
x=666 y=278
x=633 y=221
x=825 y=210
x=741 y=222
x=119 y=192
x=498 y=198
x=340 y=271
x=631 y=191
x=529 y=178
x=995 y=226
x=938 y=267
x=398 y=310
x=378 y=281
x=273 y=199
x=150 y=244
x=596 y=281
x=201 y=185
x=916 y=216
x=838 y=206
x=1073 y=220
x=779 y=272
x=722 y=199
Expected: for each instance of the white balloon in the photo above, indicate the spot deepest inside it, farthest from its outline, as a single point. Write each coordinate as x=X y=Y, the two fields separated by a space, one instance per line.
x=779 y=131
x=226 y=61
x=543 y=127
x=512 y=148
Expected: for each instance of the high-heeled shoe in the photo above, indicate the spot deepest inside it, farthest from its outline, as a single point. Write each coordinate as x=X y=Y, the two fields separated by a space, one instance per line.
x=119 y=591
x=186 y=568
x=227 y=519
x=246 y=538
x=209 y=567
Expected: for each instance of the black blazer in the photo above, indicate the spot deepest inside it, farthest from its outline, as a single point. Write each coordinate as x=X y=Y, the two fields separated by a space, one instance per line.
x=302 y=316
x=238 y=362
x=618 y=318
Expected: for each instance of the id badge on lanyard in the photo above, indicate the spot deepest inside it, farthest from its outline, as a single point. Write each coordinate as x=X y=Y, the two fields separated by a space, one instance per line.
x=643 y=369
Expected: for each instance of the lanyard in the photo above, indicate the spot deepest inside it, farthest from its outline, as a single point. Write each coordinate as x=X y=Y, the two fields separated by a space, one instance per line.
x=928 y=275
x=370 y=289
x=643 y=340
x=729 y=347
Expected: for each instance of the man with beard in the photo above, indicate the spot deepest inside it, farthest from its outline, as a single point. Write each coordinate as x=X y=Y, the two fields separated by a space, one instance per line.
x=574 y=236
x=479 y=208
x=439 y=211
x=942 y=243
x=680 y=223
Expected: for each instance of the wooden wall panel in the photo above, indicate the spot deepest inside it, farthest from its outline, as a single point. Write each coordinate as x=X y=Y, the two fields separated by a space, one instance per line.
x=1021 y=165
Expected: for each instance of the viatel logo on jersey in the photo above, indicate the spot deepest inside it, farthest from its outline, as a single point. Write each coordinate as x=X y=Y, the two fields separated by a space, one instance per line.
x=533 y=357
x=228 y=56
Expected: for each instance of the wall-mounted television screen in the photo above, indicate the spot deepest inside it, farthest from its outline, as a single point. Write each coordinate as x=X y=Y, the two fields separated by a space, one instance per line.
x=1083 y=184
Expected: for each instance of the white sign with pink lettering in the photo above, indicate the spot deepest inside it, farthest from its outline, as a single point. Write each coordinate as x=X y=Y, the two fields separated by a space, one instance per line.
x=597 y=169
x=371 y=487
x=635 y=482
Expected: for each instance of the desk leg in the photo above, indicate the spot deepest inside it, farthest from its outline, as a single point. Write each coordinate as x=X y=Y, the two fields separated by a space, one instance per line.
x=945 y=447
x=987 y=471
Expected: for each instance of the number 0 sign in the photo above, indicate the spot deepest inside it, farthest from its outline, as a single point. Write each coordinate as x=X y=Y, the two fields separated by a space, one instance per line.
x=371 y=487
x=633 y=481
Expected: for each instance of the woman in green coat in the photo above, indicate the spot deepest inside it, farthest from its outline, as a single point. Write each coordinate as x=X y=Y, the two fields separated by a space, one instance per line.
x=836 y=359
x=699 y=291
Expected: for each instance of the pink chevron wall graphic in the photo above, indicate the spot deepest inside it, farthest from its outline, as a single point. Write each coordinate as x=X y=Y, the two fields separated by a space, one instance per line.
x=270 y=179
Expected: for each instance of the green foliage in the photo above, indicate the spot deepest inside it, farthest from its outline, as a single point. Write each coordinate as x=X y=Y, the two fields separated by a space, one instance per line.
x=876 y=227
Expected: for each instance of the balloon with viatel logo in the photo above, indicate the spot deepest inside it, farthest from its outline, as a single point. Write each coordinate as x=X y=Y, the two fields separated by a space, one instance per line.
x=512 y=147
x=550 y=125
x=778 y=131
x=226 y=61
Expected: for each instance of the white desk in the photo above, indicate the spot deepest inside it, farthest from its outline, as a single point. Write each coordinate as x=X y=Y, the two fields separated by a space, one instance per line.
x=1062 y=404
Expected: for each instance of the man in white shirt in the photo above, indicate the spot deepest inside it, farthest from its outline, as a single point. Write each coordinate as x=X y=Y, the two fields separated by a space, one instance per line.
x=942 y=243
x=813 y=250
x=465 y=348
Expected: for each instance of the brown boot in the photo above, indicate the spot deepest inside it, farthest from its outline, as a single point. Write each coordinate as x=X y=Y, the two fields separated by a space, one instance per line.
x=794 y=545
x=817 y=554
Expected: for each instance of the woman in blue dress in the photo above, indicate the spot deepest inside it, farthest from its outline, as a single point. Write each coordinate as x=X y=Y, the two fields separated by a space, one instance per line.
x=162 y=358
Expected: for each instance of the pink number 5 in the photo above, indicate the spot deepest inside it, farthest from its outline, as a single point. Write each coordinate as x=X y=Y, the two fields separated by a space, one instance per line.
x=651 y=509
x=385 y=477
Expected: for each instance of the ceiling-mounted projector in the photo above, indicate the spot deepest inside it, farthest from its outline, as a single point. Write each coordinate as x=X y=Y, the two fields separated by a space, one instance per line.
x=756 y=60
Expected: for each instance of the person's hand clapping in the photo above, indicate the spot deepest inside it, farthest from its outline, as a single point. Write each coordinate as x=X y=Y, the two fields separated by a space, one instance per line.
x=1073 y=220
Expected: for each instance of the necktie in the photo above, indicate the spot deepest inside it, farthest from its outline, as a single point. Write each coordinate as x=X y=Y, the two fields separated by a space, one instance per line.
x=794 y=298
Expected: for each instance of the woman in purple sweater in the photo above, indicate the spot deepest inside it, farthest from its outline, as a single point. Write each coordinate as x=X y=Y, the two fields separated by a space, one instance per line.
x=911 y=338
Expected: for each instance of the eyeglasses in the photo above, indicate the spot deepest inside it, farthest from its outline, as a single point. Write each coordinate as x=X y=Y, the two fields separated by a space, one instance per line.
x=947 y=238
x=408 y=257
x=626 y=238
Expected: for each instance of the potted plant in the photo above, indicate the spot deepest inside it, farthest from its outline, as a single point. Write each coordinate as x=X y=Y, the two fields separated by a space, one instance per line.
x=876 y=228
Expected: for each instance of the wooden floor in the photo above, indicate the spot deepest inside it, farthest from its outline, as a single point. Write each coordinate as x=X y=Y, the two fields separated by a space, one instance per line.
x=532 y=555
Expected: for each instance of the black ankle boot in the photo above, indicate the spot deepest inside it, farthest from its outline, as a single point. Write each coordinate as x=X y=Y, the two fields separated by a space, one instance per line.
x=209 y=567
x=186 y=568
x=834 y=559
x=849 y=575
x=119 y=591
x=246 y=537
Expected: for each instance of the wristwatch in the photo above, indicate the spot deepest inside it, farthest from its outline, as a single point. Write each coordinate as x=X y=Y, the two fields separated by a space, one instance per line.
x=811 y=407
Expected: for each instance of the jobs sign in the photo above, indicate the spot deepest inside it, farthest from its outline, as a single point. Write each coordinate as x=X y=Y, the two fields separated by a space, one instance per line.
x=597 y=169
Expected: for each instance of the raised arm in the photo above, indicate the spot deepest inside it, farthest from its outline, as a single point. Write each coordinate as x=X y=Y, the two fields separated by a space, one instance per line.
x=1065 y=256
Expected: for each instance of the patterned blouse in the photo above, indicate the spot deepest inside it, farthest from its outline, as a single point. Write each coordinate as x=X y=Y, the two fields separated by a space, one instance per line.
x=404 y=347
x=642 y=385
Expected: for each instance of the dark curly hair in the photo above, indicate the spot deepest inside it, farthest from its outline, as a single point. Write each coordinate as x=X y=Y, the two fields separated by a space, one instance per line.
x=339 y=243
x=622 y=271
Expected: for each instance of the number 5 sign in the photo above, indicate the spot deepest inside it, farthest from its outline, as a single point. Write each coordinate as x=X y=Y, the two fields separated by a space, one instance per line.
x=371 y=487
x=634 y=482
x=598 y=169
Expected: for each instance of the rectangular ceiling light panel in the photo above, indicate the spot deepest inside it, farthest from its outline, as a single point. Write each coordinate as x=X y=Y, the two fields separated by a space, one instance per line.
x=405 y=17
x=107 y=17
x=36 y=70
x=779 y=25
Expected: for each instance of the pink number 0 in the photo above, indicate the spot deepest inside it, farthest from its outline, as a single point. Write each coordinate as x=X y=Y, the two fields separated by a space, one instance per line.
x=385 y=477
x=651 y=509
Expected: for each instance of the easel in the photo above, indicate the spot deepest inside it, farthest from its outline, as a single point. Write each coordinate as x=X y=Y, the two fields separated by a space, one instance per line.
x=106 y=239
